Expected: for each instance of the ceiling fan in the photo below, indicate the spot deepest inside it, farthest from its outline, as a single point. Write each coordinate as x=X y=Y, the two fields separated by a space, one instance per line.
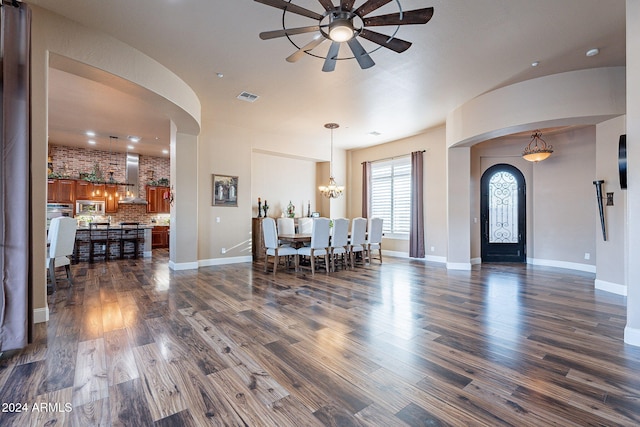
x=344 y=23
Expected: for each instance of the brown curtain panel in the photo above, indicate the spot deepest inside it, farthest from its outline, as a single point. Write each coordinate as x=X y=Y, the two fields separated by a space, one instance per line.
x=15 y=177
x=366 y=188
x=416 y=228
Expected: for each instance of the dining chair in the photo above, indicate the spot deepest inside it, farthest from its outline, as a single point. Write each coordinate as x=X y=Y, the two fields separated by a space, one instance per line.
x=374 y=238
x=62 y=238
x=305 y=225
x=286 y=226
x=272 y=248
x=339 y=242
x=357 y=243
x=319 y=245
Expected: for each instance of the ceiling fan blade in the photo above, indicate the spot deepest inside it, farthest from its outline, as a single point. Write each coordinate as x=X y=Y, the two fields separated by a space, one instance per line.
x=306 y=48
x=370 y=6
x=360 y=54
x=290 y=7
x=332 y=55
x=327 y=4
x=418 y=16
x=266 y=35
x=397 y=45
x=347 y=4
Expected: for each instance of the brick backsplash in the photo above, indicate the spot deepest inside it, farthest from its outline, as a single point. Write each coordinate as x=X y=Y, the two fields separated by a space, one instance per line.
x=71 y=161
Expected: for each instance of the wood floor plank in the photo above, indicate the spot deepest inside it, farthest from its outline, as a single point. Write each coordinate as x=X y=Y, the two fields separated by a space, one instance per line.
x=160 y=388
x=207 y=404
x=92 y=414
x=90 y=381
x=129 y=406
x=121 y=365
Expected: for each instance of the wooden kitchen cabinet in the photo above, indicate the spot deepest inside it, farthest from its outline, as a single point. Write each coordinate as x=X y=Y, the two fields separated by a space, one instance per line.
x=83 y=190
x=61 y=191
x=111 y=203
x=156 y=203
x=160 y=236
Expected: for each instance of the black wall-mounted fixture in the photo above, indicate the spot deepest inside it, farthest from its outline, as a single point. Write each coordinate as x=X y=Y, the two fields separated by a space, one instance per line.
x=598 y=185
x=609 y=199
x=622 y=161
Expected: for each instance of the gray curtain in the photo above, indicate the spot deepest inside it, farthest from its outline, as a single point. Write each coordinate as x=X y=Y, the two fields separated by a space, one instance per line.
x=366 y=188
x=416 y=228
x=15 y=177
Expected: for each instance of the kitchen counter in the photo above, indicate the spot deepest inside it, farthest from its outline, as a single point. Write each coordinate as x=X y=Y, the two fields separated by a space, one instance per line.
x=82 y=246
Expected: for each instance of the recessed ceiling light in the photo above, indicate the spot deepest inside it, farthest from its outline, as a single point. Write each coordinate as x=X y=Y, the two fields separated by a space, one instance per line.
x=90 y=133
x=219 y=75
x=375 y=133
x=593 y=52
x=535 y=63
x=165 y=151
x=134 y=138
x=130 y=147
x=92 y=142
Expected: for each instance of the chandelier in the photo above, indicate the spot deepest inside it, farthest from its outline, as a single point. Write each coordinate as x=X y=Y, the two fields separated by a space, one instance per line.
x=332 y=190
x=537 y=150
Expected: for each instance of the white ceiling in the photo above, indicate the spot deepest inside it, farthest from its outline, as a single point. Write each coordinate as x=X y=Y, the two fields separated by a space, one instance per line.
x=468 y=48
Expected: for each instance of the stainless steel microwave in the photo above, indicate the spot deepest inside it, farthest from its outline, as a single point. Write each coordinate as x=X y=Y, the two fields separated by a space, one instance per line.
x=89 y=207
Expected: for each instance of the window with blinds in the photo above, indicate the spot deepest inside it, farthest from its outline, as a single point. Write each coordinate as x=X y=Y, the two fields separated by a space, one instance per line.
x=391 y=194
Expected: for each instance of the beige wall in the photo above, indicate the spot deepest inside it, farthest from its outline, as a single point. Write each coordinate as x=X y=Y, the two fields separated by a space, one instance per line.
x=279 y=180
x=433 y=142
x=610 y=261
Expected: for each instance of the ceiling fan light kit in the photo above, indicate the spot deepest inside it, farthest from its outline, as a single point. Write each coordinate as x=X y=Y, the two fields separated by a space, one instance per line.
x=344 y=23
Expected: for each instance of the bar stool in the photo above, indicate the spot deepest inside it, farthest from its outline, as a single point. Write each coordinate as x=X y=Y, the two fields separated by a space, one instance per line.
x=129 y=233
x=98 y=235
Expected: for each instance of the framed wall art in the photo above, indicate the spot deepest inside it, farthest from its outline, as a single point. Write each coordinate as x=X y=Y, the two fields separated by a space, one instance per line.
x=225 y=190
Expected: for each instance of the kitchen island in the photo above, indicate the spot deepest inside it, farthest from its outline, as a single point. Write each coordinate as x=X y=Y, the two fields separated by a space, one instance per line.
x=112 y=242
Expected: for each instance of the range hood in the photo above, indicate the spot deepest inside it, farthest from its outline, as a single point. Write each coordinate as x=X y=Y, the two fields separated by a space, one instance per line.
x=133 y=181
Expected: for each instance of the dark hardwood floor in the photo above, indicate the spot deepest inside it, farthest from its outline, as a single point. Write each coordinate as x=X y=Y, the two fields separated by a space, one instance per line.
x=399 y=344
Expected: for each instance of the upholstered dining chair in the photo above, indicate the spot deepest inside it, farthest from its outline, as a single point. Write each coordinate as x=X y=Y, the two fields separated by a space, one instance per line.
x=305 y=225
x=357 y=243
x=339 y=242
x=272 y=248
x=62 y=238
x=374 y=238
x=319 y=245
x=286 y=226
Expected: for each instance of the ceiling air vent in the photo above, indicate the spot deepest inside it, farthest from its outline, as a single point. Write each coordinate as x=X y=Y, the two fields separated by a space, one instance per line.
x=246 y=96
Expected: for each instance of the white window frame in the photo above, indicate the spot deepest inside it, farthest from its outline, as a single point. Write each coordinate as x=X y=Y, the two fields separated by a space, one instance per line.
x=393 y=176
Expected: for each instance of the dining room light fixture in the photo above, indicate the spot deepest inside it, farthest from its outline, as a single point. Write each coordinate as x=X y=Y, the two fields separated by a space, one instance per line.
x=537 y=149
x=332 y=190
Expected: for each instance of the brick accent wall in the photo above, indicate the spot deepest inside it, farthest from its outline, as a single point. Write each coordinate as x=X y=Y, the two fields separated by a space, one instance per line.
x=71 y=161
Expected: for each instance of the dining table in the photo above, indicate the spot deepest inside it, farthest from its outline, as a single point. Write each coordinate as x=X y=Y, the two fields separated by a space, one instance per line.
x=296 y=240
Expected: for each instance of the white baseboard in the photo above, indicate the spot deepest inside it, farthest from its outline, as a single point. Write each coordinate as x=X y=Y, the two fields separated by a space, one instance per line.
x=632 y=336
x=147 y=254
x=458 y=266
x=41 y=315
x=434 y=258
x=223 y=261
x=562 y=264
x=395 y=254
x=614 y=288
x=183 y=265
x=476 y=261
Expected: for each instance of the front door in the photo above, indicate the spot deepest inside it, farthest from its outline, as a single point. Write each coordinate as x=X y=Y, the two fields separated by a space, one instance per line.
x=503 y=214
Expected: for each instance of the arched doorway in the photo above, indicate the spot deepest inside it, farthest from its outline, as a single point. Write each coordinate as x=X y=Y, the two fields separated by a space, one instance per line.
x=503 y=207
